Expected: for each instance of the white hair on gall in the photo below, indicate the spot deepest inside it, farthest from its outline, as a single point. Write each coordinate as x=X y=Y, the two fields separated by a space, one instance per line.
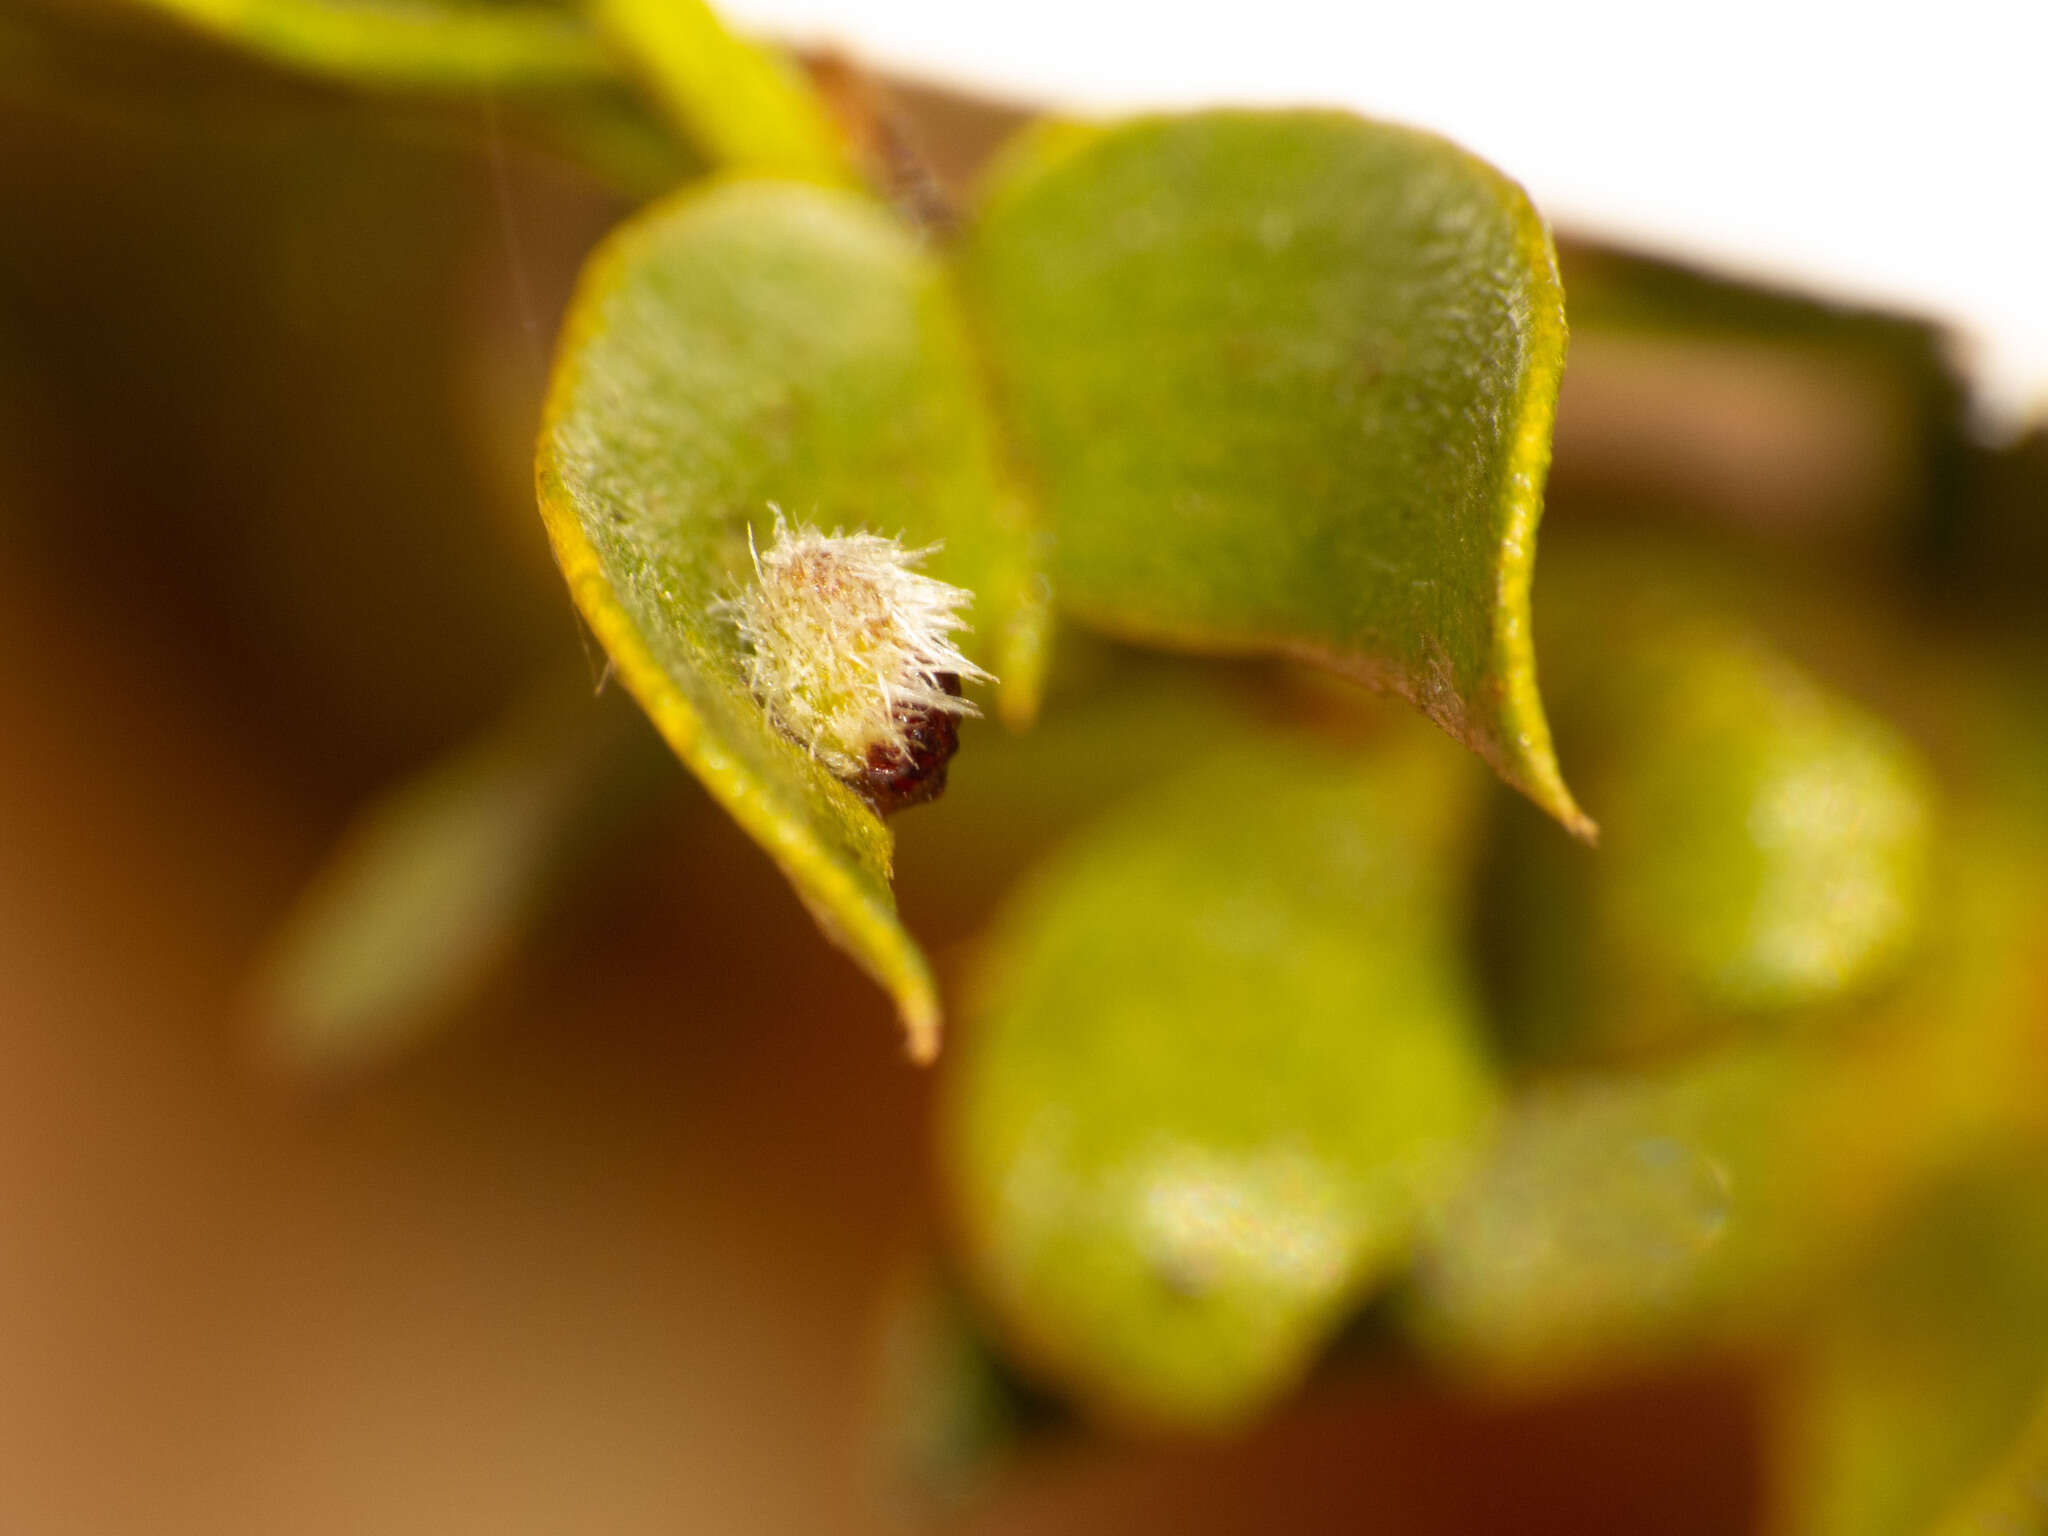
x=848 y=644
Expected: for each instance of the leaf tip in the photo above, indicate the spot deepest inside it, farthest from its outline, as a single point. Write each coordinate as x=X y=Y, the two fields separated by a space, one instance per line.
x=1576 y=821
x=922 y=1026
x=1544 y=785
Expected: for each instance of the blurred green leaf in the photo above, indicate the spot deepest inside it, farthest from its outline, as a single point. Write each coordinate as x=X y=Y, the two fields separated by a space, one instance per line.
x=1623 y=1216
x=423 y=44
x=1918 y=1380
x=1115 y=723
x=946 y=1414
x=1766 y=845
x=1224 y=1054
x=1630 y=1216
x=438 y=881
x=1774 y=838
x=1286 y=381
x=761 y=343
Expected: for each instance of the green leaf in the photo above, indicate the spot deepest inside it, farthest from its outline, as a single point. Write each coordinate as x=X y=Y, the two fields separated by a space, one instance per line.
x=1767 y=846
x=1779 y=834
x=430 y=44
x=758 y=343
x=1225 y=1053
x=1919 y=1380
x=1621 y=1217
x=1286 y=382
x=437 y=882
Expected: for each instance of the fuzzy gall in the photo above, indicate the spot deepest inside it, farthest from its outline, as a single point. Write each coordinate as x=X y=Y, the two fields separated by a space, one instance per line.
x=850 y=651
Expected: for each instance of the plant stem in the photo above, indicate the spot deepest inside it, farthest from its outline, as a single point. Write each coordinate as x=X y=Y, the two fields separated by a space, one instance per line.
x=743 y=107
x=418 y=47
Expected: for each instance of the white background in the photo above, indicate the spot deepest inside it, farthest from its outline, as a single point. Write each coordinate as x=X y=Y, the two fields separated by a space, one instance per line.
x=1896 y=154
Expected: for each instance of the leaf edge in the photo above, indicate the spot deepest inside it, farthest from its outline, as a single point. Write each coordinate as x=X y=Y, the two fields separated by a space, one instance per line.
x=859 y=922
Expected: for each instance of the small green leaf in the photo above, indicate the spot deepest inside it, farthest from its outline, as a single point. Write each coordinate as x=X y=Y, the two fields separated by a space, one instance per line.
x=1619 y=1217
x=1286 y=382
x=759 y=343
x=1779 y=836
x=409 y=43
x=437 y=882
x=1226 y=1052
x=1767 y=846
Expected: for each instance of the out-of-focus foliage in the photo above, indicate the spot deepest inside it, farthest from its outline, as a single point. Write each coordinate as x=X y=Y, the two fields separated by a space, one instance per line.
x=1622 y=1217
x=1765 y=848
x=2013 y=1495
x=440 y=44
x=1633 y=1214
x=1286 y=381
x=439 y=881
x=1772 y=840
x=1224 y=1057
x=1914 y=1382
x=538 y=76
x=946 y=1409
x=1115 y=724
